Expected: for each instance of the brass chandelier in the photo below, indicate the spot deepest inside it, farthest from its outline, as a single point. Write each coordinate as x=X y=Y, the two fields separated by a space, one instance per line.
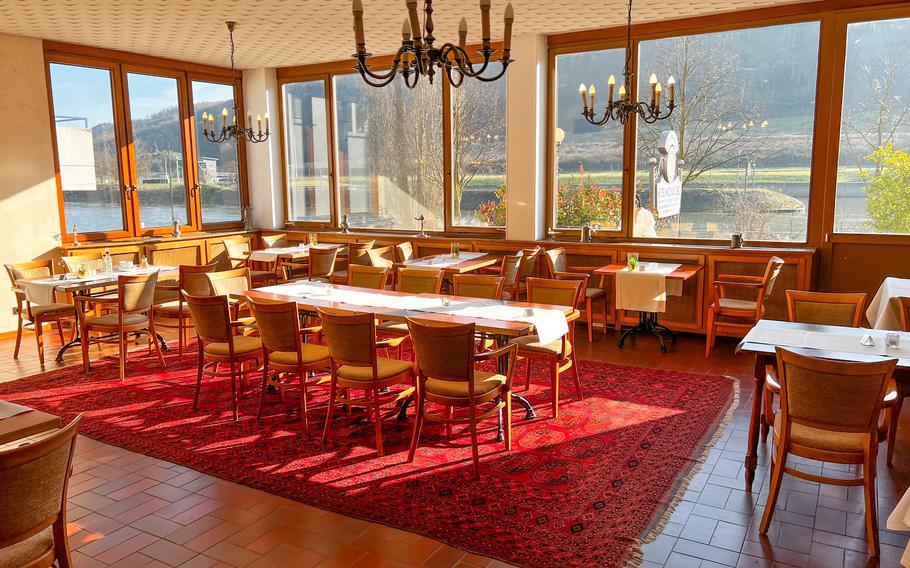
x=419 y=57
x=624 y=108
x=234 y=130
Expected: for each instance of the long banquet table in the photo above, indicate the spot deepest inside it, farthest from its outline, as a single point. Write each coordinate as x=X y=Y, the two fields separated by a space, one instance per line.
x=823 y=341
x=395 y=306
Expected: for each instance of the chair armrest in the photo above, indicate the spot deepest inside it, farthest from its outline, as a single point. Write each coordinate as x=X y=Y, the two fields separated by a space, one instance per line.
x=728 y=284
x=507 y=349
x=168 y=287
x=390 y=342
x=96 y=300
x=312 y=329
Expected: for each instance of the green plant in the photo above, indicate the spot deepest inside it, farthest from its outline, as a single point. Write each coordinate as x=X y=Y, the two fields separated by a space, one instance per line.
x=493 y=212
x=580 y=201
x=888 y=191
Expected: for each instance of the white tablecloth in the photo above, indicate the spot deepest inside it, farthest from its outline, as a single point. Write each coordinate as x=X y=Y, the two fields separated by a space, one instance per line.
x=847 y=341
x=41 y=291
x=885 y=308
x=444 y=260
x=646 y=289
x=8 y=409
x=272 y=254
x=550 y=324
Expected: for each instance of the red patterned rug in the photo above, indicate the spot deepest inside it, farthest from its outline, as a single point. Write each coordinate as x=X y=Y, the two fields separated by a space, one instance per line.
x=577 y=491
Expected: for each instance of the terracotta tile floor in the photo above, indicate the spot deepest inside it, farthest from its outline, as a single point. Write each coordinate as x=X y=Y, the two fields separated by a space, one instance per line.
x=130 y=510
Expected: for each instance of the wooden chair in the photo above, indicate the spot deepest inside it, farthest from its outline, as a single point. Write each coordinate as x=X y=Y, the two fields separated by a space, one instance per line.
x=559 y=354
x=559 y=269
x=219 y=343
x=478 y=286
x=905 y=314
x=285 y=352
x=509 y=271
x=134 y=301
x=446 y=376
x=174 y=314
x=31 y=316
x=274 y=241
x=357 y=254
x=229 y=282
x=372 y=277
x=356 y=367
x=411 y=281
x=746 y=312
x=527 y=268
x=237 y=250
x=33 y=483
x=829 y=412
x=404 y=251
x=383 y=257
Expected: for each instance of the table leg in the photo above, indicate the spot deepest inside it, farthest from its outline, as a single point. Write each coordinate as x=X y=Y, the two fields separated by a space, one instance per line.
x=502 y=364
x=751 y=461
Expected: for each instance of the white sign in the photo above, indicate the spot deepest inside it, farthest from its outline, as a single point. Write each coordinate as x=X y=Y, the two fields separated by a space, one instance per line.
x=668 y=188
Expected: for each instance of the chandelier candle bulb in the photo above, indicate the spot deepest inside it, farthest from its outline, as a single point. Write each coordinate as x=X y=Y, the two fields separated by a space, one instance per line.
x=259 y=121
x=584 y=96
x=485 y=20
x=622 y=92
x=657 y=90
x=508 y=18
x=405 y=32
x=671 y=85
x=610 y=85
x=592 y=90
x=358 y=25
x=462 y=33
x=266 y=123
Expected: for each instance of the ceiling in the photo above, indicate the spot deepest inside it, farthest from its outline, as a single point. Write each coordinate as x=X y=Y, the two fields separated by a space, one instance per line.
x=278 y=33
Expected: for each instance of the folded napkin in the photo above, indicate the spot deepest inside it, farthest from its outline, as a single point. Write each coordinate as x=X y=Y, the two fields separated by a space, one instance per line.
x=8 y=409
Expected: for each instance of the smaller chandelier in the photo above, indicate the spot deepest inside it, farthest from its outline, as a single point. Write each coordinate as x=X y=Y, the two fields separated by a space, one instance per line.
x=624 y=108
x=234 y=130
x=418 y=57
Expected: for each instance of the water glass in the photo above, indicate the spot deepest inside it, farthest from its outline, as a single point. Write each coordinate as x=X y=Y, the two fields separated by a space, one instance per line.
x=893 y=340
x=446 y=301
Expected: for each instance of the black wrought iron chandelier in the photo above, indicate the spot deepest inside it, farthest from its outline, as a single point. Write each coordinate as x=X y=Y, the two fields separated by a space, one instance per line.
x=235 y=130
x=419 y=57
x=624 y=107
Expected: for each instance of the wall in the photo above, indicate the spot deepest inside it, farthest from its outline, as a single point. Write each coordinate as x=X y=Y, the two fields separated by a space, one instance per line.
x=29 y=222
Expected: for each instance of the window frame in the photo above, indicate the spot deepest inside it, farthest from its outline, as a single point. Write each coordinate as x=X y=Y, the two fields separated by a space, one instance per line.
x=326 y=72
x=119 y=64
x=615 y=37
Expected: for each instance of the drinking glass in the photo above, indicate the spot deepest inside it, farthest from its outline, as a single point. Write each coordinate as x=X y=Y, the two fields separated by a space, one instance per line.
x=893 y=340
x=632 y=261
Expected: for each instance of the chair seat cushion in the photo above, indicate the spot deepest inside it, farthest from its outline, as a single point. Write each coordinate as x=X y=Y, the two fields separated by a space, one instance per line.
x=385 y=369
x=506 y=295
x=822 y=439
x=737 y=304
x=29 y=550
x=594 y=292
x=172 y=308
x=483 y=383
x=52 y=309
x=310 y=354
x=243 y=345
x=393 y=327
x=110 y=320
x=532 y=343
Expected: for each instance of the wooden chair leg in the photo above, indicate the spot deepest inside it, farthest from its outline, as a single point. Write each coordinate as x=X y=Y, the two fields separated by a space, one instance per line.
x=304 y=411
x=235 y=403
x=475 y=449
x=508 y=425
x=61 y=544
x=60 y=332
x=157 y=343
x=777 y=476
x=604 y=315
x=39 y=338
x=527 y=373
x=767 y=415
x=265 y=386
x=418 y=425
x=333 y=395
x=448 y=424
x=199 y=375
x=869 y=495
x=83 y=335
x=589 y=313
x=377 y=422
x=894 y=415
x=709 y=333
x=554 y=387
x=18 y=339
x=121 y=354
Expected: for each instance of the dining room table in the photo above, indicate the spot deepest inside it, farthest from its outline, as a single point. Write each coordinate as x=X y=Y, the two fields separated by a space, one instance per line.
x=501 y=320
x=20 y=424
x=460 y=263
x=848 y=344
x=296 y=252
x=43 y=289
x=630 y=289
x=884 y=311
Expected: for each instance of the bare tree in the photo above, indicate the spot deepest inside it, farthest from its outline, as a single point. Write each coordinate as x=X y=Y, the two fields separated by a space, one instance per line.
x=715 y=119
x=872 y=117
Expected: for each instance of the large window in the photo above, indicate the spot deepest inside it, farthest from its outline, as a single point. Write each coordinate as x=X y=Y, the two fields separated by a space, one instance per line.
x=389 y=152
x=128 y=162
x=87 y=148
x=218 y=164
x=589 y=159
x=157 y=139
x=479 y=154
x=873 y=177
x=744 y=124
x=306 y=150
